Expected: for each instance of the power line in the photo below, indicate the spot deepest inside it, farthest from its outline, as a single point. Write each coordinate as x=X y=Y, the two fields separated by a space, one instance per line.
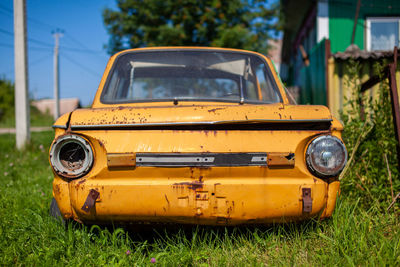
x=84 y=50
x=30 y=39
x=39 y=48
x=40 y=42
x=35 y=62
x=50 y=45
x=7 y=9
x=39 y=60
x=11 y=13
x=7 y=45
x=88 y=70
x=7 y=32
x=76 y=41
x=7 y=14
x=81 y=50
x=30 y=47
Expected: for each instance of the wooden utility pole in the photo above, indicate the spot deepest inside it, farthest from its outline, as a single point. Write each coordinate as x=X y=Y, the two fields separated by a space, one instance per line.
x=57 y=34
x=21 y=75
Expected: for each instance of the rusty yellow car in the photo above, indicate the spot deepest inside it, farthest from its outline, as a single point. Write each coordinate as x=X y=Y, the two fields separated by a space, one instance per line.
x=195 y=135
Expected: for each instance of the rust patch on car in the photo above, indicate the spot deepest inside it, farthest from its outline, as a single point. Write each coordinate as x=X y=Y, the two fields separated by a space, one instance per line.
x=90 y=200
x=198 y=212
x=166 y=198
x=191 y=185
x=121 y=160
x=82 y=181
x=280 y=160
x=214 y=109
x=222 y=220
x=307 y=200
x=58 y=189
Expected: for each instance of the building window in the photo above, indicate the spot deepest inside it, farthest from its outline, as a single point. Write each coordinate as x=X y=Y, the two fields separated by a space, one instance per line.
x=382 y=33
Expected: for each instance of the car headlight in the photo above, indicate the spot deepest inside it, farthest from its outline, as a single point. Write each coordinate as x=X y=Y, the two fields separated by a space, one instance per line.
x=326 y=156
x=71 y=156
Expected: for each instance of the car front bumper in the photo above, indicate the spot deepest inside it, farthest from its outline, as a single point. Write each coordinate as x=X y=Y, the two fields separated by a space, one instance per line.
x=204 y=200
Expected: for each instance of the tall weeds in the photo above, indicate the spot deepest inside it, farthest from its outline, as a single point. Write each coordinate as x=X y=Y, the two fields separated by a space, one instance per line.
x=369 y=123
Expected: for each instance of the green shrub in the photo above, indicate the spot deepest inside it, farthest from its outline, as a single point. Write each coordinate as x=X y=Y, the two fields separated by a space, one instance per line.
x=7 y=111
x=6 y=97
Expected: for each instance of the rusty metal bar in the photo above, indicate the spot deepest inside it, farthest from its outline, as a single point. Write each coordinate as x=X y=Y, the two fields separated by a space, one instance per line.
x=395 y=102
x=389 y=72
x=90 y=200
x=304 y=56
x=353 y=35
x=374 y=80
x=307 y=200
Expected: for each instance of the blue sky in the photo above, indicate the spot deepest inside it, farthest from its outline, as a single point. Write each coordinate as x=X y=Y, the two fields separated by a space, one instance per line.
x=82 y=54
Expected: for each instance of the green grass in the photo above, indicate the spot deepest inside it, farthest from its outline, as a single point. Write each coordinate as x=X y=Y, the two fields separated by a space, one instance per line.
x=36 y=118
x=29 y=236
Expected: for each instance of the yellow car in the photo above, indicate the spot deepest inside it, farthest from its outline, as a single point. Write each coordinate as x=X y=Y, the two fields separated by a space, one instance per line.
x=195 y=135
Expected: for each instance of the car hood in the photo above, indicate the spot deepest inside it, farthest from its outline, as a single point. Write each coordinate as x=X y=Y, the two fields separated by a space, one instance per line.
x=197 y=114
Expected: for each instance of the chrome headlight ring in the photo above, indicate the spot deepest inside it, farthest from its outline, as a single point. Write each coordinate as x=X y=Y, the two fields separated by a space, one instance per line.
x=326 y=156
x=71 y=156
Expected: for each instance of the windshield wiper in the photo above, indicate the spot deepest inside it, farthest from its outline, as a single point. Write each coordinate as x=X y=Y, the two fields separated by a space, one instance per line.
x=241 y=101
x=245 y=76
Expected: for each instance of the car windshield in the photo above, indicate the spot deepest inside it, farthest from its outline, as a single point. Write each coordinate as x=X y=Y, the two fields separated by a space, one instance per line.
x=191 y=76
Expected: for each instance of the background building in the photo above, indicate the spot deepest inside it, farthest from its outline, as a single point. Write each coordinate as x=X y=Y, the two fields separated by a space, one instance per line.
x=322 y=37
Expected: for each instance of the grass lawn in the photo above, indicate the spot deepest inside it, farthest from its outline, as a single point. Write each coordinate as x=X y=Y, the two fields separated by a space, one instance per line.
x=29 y=236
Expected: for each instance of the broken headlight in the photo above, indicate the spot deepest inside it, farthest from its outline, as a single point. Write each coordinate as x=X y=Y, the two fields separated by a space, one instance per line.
x=71 y=156
x=326 y=156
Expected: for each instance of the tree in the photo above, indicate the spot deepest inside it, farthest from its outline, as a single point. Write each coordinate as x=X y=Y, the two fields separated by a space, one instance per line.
x=221 y=23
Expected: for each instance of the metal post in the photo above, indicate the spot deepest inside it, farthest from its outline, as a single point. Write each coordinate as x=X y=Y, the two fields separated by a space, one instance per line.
x=57 y=34
x=21 y=75
x=327 y=56
x=395 y=102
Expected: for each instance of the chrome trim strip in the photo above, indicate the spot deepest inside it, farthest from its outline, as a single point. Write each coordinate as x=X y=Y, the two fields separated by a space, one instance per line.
x=59 y=126
x=258 y=159
x=175 y=159
x=190 y=123
x=200 y=159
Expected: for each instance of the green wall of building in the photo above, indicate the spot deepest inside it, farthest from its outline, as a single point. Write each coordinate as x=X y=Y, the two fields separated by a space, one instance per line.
x=341 y=20
x=312 y=77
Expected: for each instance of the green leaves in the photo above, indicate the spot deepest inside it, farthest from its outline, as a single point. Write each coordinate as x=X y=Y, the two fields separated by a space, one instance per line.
x=6 y=97
x=233 y=24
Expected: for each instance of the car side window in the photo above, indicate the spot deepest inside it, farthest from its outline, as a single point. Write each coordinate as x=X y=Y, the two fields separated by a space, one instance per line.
x=251 y=90
x=267 y=89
